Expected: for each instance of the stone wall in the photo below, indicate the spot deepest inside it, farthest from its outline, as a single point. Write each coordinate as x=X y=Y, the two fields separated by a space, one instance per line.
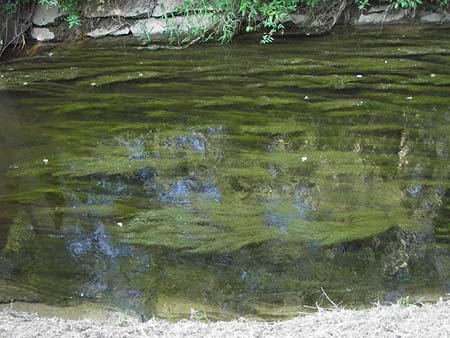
x=145 y=18
x=117 y=18
x=377 y=15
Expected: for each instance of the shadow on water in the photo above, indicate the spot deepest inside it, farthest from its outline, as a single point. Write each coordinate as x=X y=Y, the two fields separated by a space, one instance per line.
x=238 y=180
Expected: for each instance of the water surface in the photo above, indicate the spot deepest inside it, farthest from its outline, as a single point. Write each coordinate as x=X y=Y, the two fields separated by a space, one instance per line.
x=236 y=180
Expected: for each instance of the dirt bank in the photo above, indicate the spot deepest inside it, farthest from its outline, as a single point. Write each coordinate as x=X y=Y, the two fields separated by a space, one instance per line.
x=391 y=321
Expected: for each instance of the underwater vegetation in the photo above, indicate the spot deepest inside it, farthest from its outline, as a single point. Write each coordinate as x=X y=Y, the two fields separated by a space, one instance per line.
x=214 y=180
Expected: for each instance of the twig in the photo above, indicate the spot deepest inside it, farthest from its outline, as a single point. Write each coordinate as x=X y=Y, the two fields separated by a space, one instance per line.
x=328 y=298
x=388 y=9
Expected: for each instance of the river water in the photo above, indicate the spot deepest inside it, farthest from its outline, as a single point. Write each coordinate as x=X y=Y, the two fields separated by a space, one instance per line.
x=236 y=180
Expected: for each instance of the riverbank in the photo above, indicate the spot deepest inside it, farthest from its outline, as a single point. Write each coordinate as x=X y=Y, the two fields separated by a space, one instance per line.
x=150 y=22
x=380 y=321
x=185 y=23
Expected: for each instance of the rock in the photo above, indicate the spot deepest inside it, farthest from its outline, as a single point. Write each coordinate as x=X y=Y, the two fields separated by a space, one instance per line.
x=99 y=32
x=298 y=19
x=124 y=31
x=430 y=17
x=122 y=8
x=373 y=18
x=192 y=22
x=446 y=18
x=159 y=12
x=148 y=26
x=46 y=15
x=377 y=9
x=42 y=34
x=169 y=7
x=379 y=18
x=158 y=26
x=115 y=30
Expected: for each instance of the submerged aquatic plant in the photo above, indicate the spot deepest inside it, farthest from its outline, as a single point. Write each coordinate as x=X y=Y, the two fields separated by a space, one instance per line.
x=244 y=197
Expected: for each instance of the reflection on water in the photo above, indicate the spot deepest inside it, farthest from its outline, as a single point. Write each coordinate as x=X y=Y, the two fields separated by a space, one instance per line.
x=234 y=179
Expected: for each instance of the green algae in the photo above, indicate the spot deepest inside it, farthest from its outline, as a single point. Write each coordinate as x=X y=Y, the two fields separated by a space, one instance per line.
x=209 y=177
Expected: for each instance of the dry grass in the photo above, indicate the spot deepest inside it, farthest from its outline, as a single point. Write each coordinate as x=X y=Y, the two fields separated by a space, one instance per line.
x=380 y=321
